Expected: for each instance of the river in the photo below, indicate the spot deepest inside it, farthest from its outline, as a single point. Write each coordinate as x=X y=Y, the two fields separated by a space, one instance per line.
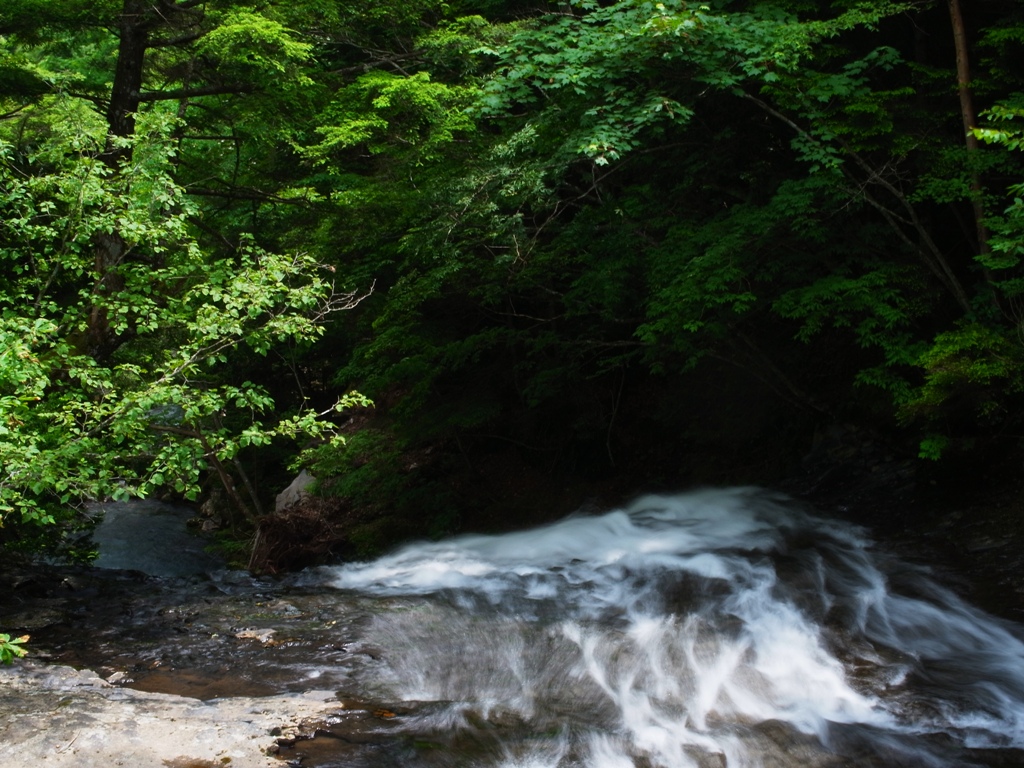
x=712 y=628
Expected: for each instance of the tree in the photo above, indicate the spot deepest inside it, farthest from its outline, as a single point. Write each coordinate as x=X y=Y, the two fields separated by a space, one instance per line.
x=572 y=216
x=119 y=324
x=656 y=186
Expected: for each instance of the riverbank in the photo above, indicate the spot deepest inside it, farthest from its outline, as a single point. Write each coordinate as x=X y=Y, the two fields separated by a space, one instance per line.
x=58 y=716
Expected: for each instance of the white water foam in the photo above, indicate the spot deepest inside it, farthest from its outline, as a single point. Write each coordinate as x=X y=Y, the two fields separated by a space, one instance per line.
x=709 y=626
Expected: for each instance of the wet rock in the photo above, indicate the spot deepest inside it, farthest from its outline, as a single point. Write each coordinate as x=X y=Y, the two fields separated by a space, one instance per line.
x=46 y=614
x=215 y=510
x=265 y=636
x=119 y=678
x=59 y=716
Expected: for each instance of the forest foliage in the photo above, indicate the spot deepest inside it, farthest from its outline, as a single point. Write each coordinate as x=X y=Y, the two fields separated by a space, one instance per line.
x=531 y=232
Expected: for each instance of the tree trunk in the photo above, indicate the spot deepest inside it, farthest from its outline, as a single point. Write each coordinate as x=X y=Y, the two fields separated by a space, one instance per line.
x=111 y=249
x=970 y=120
x=134 y=28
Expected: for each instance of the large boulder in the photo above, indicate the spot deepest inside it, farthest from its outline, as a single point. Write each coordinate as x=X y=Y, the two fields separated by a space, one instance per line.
x=295 y=492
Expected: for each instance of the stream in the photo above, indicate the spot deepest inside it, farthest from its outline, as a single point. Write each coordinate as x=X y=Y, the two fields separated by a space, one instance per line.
x=707 y=629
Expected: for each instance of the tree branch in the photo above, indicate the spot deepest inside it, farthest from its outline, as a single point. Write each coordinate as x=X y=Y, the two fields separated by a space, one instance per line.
x=381 y=62
x=191 y=37
x=187 y=93
x=940 y=267
x=13 y=112
x=241 y=193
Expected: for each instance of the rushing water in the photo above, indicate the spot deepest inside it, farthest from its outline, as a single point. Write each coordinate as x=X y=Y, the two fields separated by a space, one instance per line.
x=713 y=628
x=717 y=628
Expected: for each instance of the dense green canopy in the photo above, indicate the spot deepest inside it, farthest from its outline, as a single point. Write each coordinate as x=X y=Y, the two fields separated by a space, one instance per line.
x=577 y=238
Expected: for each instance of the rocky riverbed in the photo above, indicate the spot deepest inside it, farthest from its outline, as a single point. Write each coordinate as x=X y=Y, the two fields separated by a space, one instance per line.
x=60 y=715
x=55 y=715
x=192 y=672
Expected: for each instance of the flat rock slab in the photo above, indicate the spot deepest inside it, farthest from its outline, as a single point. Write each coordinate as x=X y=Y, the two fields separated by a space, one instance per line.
x=151 y=537
x=59 y=716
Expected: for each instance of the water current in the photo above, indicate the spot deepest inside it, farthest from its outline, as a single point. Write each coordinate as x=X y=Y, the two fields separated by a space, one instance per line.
x=714 y=628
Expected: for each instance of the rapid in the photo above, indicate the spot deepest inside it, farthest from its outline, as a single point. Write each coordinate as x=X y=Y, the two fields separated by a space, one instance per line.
x=712 y=628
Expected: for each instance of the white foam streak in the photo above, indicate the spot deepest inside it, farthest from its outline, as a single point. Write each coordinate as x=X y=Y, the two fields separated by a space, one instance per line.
x=683 y=626
x=581 y=545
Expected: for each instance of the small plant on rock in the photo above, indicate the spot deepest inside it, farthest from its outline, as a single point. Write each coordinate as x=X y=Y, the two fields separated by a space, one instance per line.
x=10 y=648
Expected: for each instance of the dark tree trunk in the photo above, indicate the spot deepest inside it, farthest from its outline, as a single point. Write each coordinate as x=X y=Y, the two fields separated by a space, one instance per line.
x=134 y=27
x=970 y=120
x=111 y=249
